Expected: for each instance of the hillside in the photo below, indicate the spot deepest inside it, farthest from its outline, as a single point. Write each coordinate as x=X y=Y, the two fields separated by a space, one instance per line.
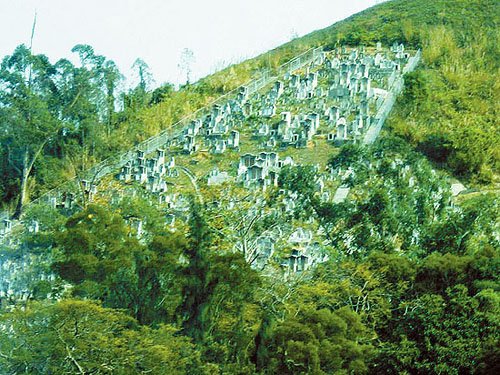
x=413 y=23
x=258 y=221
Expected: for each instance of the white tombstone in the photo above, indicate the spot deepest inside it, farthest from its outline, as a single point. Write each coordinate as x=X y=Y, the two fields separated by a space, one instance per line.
x=234 y=139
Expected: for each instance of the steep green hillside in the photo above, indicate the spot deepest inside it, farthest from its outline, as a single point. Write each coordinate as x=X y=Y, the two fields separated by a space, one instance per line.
x=449 y=111
x=400 y=276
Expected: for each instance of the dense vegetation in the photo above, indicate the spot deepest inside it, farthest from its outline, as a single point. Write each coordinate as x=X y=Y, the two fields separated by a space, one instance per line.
x=411 y=285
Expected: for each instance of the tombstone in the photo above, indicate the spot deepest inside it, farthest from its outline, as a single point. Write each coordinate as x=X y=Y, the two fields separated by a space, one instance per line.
x=34 y=226
x=219 y=146
x=141 y=161
x=220 y=128
x=216 y=178
x=151 y=183
x=189 y=144
x=247 y=160
x=263 y=130
x=152 y=165
x=194 y=127
x=286 y=118
x=312 y=80
x=6 y=226
x=171 y=163
x=353 y=86
x=294 y=80
x=333 y=114
x=125 y=173
x=314 y=120
x=363 y=108
x=341 y=194
x=365 y=85
x=341 y=129
x=53 y=202
x=92 y=190
x=271 y=142
x=268 y=158
x=379 y=46
x=136 y=225
x=278 y=88
x=298 y=262
x=69 y=199
x=160 y=156
x=353 y=55
x=163 y=187
x=254 y=173
x=269 y=110
x=173 y=173
x=457 y=188
x=234 y=139
x=247 y=109
x=141 y=174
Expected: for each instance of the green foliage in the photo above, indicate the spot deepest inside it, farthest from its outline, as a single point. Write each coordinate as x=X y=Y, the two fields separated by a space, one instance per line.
x=349 y=155
x=81 y=337
x=316 y=342
x=217 y=292
x=99 y=257
x=442 y=334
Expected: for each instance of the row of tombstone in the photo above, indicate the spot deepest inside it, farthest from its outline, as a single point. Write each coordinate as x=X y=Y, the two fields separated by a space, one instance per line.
x=150 y=172
x=262 y=169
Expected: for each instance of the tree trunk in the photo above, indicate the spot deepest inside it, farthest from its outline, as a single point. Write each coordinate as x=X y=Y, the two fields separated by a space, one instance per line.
x=24 y=182
x=26 y=170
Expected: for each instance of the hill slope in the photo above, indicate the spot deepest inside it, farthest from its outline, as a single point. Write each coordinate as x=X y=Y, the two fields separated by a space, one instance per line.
x=449 y=113
x=397 y=277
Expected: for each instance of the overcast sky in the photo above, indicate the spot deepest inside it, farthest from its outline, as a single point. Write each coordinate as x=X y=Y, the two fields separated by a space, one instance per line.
x=218 y=32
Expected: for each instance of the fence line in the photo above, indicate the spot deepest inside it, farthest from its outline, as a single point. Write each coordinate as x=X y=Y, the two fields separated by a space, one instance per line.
x=393 y=92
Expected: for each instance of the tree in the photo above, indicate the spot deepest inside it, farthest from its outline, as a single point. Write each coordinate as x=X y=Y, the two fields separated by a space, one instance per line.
x=99 y=256
x=317 y=341
x=94 y=90
x=81 y=337
x=112 y=77
x=138 y=97
x=186 y=61
x=449 y=333
x=161 y=93
x=218 y=293
x=29 y=112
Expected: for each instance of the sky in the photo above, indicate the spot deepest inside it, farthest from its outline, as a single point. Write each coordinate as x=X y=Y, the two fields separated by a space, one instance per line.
x=218 y=32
